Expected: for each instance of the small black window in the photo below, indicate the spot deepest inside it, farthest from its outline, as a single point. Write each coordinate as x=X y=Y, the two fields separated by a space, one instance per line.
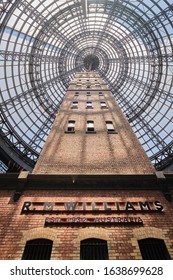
x=103 y=105
x=76 y=93
x=89 y=105
x=90 y=126
x=100 y=93
x=37 y=249
x=93 y=249
x=153 y=249
x=110 y=127
x=71 y=126
x=74 y=105
x=88 y=93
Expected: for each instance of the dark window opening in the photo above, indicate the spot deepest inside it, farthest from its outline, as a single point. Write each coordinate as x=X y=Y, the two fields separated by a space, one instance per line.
x=37 y=249
x=93 y=249
x=103 y=105
x=74 y=105
x=153 y=249
x=71 y=126
x=110 y=127
x=89 y=105
x=90 y=126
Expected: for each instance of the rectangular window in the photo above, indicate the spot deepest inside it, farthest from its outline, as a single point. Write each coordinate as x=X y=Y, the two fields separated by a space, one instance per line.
x=74 y=105
x=76 y=93
x=103 y=104
x=100 y=93
x=110 y=127
x=89 y=105
x=71 y=126
x=88 y=93
x=90 y=126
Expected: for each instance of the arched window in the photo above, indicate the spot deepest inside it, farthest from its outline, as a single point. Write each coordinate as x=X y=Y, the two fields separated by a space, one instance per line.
x=153 y=249
x=37 y=249
x=93 y=249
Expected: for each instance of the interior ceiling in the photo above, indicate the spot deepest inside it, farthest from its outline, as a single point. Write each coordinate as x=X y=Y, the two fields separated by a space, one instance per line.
x=43 y=45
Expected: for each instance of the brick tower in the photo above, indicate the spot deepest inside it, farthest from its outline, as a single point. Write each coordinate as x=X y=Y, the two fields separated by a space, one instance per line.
x=93 y=193
x=90 y=134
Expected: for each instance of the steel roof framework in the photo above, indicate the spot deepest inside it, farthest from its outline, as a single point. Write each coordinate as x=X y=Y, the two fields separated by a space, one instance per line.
x=44 y=43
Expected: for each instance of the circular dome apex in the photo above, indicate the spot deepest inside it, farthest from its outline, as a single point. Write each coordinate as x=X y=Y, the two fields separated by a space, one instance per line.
x=91 y=62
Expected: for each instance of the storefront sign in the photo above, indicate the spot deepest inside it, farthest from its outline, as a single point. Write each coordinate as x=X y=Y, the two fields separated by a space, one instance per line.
x=66 y=207
x=91 y=213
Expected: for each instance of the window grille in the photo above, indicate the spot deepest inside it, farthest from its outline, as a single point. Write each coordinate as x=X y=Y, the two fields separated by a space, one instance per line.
x=153 y=249
x=37 y=249
x=93 y=249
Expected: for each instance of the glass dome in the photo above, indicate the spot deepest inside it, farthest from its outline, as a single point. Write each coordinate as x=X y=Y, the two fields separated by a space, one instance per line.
x=45 y=42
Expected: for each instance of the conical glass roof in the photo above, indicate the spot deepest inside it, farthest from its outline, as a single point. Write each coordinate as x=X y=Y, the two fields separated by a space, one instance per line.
x=43 y=45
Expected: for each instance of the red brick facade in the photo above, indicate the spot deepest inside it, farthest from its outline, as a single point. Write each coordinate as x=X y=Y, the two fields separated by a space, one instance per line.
x=17 y=228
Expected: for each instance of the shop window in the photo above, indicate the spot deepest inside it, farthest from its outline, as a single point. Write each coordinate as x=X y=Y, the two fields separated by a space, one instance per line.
x=153 y=249
x=90 y=127
x=93 y=249
x=89 y=105
x=71 y=126
x=37 y=249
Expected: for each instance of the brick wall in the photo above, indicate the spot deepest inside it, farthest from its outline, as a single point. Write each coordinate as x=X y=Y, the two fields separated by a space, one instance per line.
x=17 y=228
x=95 y=153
